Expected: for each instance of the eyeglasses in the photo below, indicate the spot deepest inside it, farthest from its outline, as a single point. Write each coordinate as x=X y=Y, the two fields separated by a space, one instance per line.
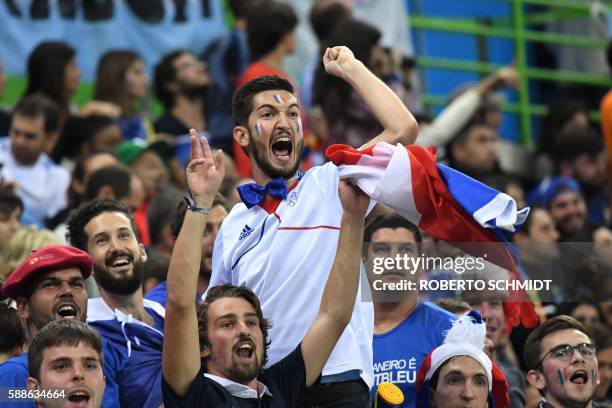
x=564 y=352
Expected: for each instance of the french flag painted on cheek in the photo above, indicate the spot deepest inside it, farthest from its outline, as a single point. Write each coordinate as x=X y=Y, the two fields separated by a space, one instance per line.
x=443 y=202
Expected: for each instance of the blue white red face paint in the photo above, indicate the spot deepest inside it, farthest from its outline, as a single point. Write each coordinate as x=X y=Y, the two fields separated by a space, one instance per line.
x=561 y=376
x=258 y=129
x=278 y=99
x=298 y=126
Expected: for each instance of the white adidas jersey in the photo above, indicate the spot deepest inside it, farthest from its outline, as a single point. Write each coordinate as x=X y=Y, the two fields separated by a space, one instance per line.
x=285 y=257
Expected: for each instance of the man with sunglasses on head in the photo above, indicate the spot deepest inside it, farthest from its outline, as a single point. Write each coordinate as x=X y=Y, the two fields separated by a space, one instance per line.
x=562 y=364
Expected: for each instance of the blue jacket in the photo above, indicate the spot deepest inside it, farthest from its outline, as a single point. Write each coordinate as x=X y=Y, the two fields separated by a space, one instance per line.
x=133 y=356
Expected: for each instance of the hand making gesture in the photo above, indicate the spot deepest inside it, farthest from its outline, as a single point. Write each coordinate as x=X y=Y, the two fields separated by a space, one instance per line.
x=181 y=354
x=204 y=173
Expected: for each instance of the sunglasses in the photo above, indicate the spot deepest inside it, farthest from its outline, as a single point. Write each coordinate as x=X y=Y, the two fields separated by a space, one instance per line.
x=564 y=352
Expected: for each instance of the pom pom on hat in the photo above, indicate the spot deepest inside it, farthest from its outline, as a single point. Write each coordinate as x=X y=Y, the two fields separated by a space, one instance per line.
x=465 y=338
x=468 y=329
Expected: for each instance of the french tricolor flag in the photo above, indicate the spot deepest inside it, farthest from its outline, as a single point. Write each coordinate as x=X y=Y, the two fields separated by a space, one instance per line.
x=443 y=202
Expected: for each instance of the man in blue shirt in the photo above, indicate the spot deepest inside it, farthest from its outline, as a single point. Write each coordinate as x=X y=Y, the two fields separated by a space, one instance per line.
x=49 y=285
x=405 y=330
x=65 y=362
x=132 y=327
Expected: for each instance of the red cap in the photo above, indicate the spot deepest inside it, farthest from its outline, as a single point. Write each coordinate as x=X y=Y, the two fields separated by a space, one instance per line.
x=48 y=259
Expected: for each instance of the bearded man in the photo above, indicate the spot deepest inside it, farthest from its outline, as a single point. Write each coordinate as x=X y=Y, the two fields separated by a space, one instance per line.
x=131 y=325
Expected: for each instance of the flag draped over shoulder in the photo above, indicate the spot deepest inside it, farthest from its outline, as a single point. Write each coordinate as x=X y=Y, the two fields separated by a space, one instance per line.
x=443 y=202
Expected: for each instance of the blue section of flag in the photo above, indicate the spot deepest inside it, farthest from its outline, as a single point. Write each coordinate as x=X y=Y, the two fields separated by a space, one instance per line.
x=472 y=195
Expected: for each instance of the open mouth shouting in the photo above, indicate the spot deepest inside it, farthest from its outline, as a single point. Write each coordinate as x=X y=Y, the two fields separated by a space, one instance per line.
x=579 y=377
x=78 y=398
x=68 y=310
x=245 y=350
x=282 y=146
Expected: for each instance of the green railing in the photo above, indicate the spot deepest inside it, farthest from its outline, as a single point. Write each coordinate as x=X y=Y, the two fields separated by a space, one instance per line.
x=517 y=28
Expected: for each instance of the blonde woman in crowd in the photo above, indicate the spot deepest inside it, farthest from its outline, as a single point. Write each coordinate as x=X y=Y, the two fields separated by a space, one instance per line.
x=21 y=244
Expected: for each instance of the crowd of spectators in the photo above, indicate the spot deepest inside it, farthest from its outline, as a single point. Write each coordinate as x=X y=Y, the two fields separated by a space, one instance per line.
x=88 y=176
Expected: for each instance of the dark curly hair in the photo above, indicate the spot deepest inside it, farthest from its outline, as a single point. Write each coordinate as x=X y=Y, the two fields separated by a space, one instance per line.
x=223 y=291
x=79 y=218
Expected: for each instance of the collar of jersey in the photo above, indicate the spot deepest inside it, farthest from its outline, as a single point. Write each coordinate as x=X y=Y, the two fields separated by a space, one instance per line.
x=270 y=204
x=97 y=310
x=240 y=390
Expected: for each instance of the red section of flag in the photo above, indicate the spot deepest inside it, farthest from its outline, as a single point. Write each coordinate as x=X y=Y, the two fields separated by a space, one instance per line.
x=444 y=218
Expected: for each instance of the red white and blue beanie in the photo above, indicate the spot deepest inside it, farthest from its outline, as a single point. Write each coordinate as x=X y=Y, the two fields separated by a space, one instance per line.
x=465 y=338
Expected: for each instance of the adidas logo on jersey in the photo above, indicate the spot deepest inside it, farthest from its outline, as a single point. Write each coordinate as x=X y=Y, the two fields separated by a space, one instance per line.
x=246 y=231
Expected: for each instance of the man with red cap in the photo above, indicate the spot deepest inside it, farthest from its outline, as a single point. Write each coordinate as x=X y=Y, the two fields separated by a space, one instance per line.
x=49 y=285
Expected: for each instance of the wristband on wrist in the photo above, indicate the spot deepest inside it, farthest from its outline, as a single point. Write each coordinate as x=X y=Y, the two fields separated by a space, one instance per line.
x=191 y=206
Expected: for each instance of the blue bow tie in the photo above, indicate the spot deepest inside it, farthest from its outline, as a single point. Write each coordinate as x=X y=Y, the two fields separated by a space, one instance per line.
x=253 y=194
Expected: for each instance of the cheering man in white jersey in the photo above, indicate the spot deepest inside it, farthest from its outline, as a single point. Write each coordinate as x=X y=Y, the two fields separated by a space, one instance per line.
x=229 y=324
x=281 y=241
